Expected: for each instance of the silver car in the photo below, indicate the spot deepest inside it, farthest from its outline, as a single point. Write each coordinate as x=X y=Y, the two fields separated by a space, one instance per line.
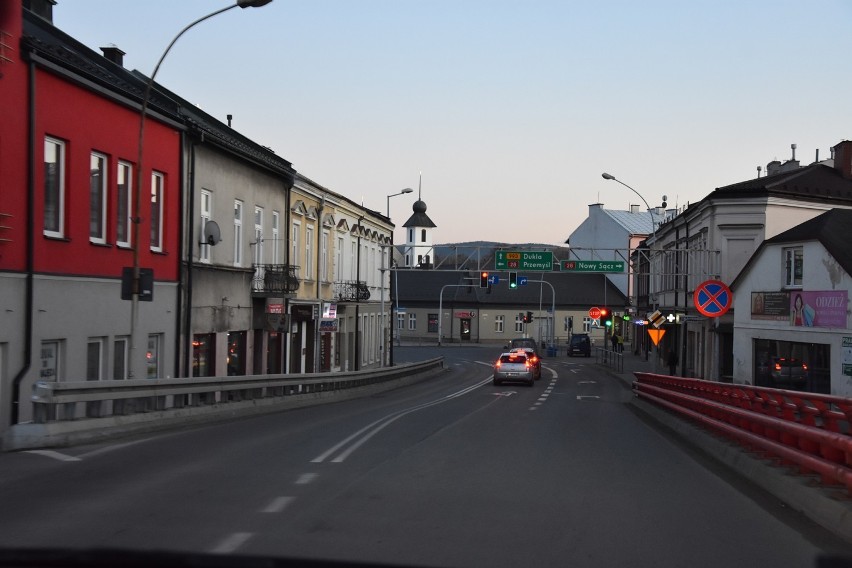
x=514 y=366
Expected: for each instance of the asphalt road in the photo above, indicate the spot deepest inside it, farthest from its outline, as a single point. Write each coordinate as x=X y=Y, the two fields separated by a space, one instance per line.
x=449 y=472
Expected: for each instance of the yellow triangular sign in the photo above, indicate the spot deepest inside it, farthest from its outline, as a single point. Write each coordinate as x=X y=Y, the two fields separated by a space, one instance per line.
x=656 y=335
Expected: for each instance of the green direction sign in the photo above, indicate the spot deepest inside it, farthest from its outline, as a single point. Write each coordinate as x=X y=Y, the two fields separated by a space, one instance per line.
x=515 y=260
x=593 y=265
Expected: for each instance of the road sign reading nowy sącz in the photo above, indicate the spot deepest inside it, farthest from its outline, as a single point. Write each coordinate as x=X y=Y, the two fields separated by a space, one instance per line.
x=593 y=265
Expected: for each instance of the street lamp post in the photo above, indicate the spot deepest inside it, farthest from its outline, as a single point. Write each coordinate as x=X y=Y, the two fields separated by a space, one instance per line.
x=137 y=203
x=653 y=298
x=387 y=345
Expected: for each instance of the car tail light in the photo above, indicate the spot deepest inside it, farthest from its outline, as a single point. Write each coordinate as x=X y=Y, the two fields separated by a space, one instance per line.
x=804 y=367
x=777 y=366
x=527 y=364
x=498 y=363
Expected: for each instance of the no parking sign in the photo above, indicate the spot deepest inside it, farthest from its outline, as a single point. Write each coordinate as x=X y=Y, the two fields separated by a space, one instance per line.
x=712 y=298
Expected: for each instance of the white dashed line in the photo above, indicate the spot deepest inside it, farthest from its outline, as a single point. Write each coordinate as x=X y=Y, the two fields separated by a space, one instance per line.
x=277 y=505
x=231 y=543
x=306 y=478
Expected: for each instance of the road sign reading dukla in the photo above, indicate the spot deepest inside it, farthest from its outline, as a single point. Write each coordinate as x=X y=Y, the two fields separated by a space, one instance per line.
x=516 y=260
x=593 y=265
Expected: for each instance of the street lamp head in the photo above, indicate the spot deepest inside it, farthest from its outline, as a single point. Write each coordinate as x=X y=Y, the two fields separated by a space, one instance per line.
x=252 y=3
x=607 y=176
x=407 y=190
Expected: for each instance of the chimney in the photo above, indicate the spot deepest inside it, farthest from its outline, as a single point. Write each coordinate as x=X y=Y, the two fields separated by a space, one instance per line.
x=41 y=8
x=113 y=54
x=773 y=167
x=793 y=147
x=634 y=208
x=843 y=158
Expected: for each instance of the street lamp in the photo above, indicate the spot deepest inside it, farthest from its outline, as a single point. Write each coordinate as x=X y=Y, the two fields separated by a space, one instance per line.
x=607 y=176
x=386 y=340
x=137 y=203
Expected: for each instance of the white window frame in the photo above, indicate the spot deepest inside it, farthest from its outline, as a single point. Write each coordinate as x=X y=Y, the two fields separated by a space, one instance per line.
x=99 y=372
x=353 y=262
x=121 y=346
x=50 y=361
x=519 y=323
x=98 y=166
x=276 y=235
x=324 y=256
x=158 y=193
x=238 y=232
x=205 y=208
x=412 y=322
x=499 y=323
x=587 y=324
x=338 y=260
x=124 y=197
x=258 y=235
x=309 y=253
x=791 y=261
x=400 y=320
x=152 y=370
x=54 y=226
x=295 y=252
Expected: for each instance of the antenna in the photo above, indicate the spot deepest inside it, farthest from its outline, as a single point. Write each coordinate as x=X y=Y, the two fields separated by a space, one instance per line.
x=211 y=235
x=420 y=185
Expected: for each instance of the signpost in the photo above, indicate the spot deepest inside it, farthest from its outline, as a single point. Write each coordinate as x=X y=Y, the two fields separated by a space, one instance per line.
x=517 y=260
x=593 y=265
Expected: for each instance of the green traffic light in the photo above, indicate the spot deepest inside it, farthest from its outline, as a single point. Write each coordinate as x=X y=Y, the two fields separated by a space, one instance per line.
x=608 y=323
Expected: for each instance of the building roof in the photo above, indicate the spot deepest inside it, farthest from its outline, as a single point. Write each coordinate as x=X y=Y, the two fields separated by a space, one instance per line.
x=419 y=218
x=816 y=182
x=638 y=223
x=831 y=229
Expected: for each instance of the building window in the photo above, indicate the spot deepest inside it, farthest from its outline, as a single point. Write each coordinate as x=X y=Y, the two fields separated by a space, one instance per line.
x=119 y=359
x=97 y=198
x=258 y=235
x=793 y=264
x=152 y=357
x=206 y=207
x=157 y=212
x=204 y=355
x=412 y=322
x=236 y=353
x=309 y=253
x=50 y=369
x=519 y=323
x=410 y=235
x=238 y=233
x=324 y=257
x=294 y=254
x=276 y=235
x=124 y=177
x=353 y=266
x=422 y=235
x=54 y=188
x=433 y=323
x=400 y=320
x=587 y=324
x=338 y=260
x=95 y=359
x=499 y=322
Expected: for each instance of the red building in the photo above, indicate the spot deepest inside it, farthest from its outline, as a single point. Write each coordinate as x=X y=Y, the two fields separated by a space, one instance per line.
x=68 y=192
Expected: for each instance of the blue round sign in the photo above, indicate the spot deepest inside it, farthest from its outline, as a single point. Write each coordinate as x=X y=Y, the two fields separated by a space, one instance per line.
x=712 y=298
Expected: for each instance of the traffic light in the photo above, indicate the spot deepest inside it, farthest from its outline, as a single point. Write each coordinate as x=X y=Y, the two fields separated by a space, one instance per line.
x=513 y=280
x=607 y=321
x=483 y=280
x=529 y=317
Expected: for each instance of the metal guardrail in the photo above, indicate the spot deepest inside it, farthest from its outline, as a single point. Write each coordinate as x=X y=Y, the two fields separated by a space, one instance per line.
x=610 y=358
x=809 y=430
x=80 y=400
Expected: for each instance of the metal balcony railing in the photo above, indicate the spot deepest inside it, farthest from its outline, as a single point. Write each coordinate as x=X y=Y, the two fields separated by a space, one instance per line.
x=351 y=291
x=274 y=279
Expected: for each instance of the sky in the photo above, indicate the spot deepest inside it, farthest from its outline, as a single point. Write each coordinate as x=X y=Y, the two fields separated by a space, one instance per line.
x=504 y=112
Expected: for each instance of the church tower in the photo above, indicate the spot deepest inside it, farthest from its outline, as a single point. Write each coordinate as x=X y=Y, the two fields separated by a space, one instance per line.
x=418 y=237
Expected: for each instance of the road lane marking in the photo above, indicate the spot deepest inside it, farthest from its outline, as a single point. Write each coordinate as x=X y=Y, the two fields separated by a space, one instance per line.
x=306 y=478
x=277 y=505
x=584 y=397
x=374 y=428
x=231 y=543
x=55 y=455
x=587 y=383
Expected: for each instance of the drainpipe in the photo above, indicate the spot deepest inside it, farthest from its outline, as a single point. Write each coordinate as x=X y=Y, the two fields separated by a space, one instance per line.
x=190 y=248
x=30 y=240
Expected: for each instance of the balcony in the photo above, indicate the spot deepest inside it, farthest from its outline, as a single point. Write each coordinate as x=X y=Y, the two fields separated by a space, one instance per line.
x=274 y=280
x=351 y=291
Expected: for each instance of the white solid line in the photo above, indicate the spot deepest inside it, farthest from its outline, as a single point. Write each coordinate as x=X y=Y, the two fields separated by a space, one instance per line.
x=231 y=543
x=277 y=505
x=55 y=455
x=306 y=478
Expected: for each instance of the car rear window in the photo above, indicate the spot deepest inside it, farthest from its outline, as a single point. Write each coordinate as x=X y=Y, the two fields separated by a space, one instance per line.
x=513 y=358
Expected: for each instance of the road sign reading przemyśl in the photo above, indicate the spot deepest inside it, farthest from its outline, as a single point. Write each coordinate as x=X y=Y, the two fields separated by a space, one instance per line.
x=517 y=260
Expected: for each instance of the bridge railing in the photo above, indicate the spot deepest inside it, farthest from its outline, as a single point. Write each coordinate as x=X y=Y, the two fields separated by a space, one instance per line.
x=808 y=430
x=610 y=358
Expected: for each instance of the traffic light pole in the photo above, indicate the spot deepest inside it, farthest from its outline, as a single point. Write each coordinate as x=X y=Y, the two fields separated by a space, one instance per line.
x=441 y=309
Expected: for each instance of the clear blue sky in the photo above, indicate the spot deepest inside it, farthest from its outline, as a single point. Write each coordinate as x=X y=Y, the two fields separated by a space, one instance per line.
x=510 y=108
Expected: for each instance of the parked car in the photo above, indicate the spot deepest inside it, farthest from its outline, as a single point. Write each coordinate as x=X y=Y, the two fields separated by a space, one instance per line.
x=513 y=366
x=522 y=342
x=533 y=357
x=580 y=344
x=786 y=371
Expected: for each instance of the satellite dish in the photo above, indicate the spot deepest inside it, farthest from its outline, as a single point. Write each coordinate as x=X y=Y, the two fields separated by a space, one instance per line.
x=211 y=235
